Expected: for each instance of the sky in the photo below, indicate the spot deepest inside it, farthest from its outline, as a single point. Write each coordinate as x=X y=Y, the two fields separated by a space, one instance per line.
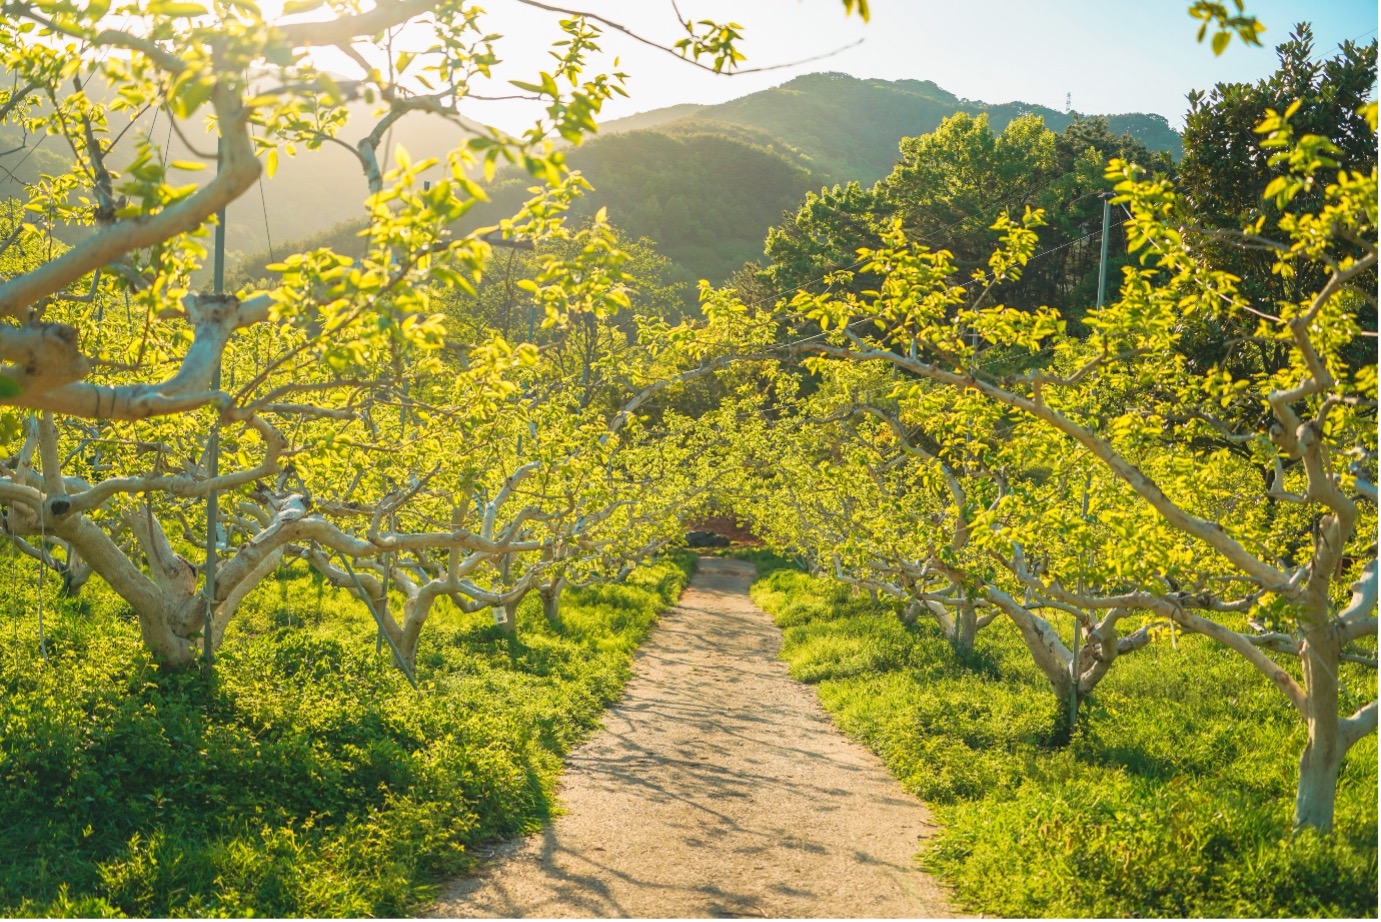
x=1105 y=56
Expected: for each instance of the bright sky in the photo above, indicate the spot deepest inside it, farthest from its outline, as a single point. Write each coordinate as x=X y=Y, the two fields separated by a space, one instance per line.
x=1109 y=55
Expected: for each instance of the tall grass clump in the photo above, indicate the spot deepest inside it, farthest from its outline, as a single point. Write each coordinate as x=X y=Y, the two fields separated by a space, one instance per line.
x=1172 y=797
x=303 y=777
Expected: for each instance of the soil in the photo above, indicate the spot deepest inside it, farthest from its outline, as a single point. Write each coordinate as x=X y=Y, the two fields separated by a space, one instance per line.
x=718 y=788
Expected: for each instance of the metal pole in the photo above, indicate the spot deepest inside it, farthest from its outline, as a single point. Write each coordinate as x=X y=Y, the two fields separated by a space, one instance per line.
x=1074 y=676
x=398 y=660
x=213 y=446
x=1103 y=255
x=531 y=333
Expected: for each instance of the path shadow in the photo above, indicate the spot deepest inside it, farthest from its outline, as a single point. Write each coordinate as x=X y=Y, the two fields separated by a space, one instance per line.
x=733 y=763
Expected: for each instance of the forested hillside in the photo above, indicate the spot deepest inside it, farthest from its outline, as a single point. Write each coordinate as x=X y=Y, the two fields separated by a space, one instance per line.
x=317 y=183
x=848 y=128
x=704 y=183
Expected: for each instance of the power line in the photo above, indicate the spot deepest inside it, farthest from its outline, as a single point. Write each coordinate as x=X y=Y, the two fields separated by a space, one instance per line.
x=782 y=293
x=263 y=206
x=12 y=170
x=968 y=284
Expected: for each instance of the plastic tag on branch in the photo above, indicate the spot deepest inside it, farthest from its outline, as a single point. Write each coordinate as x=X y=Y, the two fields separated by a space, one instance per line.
x=500 y=616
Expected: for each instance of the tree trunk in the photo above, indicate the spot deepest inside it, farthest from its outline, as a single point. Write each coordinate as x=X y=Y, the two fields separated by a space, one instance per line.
x=1323 y=754
x=509 y=613
x=74 y=578
x=170 y=650
x=159 y=604
x=1042 y=641
x=965 y=630
x=551 y=604
x=407 y=641
x=1318 y=783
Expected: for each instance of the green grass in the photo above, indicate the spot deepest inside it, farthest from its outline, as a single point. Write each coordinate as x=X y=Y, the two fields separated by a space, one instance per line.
x=305 y=778
x=1173 y=798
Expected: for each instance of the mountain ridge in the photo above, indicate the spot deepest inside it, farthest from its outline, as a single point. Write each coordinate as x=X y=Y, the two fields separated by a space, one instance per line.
x=875 y=111
x=704 y=183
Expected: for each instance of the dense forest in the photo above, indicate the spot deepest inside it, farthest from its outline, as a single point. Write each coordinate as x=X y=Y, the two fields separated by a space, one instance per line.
x=1053 y=438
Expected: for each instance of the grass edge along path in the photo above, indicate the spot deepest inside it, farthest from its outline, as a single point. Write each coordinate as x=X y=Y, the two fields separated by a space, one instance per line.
x=1172 y=799
x=305 y=778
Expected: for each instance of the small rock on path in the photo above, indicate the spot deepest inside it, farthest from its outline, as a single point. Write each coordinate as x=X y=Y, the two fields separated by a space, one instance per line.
x=718 y=788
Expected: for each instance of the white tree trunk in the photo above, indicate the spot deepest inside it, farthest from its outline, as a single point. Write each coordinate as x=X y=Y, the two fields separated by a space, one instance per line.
x=551 y=603
x=509 y=611
x=1324 y=751
x=159 y=606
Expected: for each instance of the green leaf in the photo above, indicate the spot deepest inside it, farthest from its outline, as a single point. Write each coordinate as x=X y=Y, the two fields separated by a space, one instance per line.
x=9 y=388
x=175 y=8
x=191 y=95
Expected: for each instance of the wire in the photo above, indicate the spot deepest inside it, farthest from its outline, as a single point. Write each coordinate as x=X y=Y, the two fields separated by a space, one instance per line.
x=782 y=293
x=971 y=283
x=264 y=208
x=11 y=170
x=1321 y=55
x=1228 y=301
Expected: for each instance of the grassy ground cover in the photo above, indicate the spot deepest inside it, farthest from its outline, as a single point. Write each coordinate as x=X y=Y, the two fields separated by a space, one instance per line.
x=305 y=777
x=1173 y=797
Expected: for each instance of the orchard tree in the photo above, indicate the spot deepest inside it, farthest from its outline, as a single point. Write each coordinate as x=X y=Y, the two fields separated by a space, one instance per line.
x=552 y=478
x=837 y=478
x=946 y=188
x=256 y=79
x=1260 y=526
x=1224 y=169
x=905 y=490
x=332 y=360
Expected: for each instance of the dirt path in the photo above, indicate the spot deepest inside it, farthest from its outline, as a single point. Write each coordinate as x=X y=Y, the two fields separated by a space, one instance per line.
x=718 y=788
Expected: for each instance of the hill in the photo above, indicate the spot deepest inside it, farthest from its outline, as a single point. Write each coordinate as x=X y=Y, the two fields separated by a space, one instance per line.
x=703 y=182
x=307 y=195
x=848 y=128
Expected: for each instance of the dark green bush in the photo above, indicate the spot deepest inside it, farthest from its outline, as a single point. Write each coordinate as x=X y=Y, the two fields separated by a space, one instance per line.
x=304 y=777
x=1173 y=797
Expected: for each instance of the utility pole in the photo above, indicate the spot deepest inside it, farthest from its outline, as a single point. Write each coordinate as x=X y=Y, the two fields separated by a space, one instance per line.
x=1103 y=254
x=213 y=444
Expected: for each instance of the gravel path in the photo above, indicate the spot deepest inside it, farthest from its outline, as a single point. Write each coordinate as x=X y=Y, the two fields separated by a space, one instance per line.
x=718 y=788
